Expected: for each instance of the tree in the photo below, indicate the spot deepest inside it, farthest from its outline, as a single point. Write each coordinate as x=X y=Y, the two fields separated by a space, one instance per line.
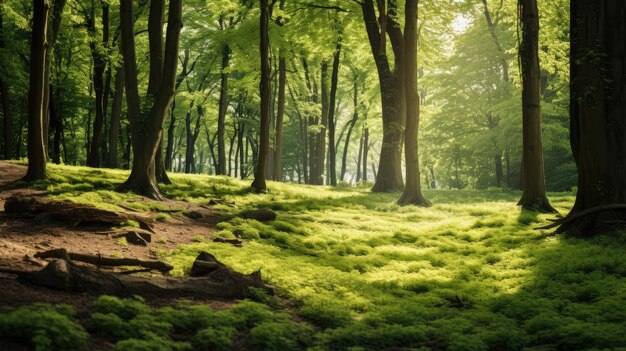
x=598 y=115
x=412 y=194
x=533 y=178
x=259 y=184
x=99 y=66
x=36 y=108
x=389 y=176
x=147 y=126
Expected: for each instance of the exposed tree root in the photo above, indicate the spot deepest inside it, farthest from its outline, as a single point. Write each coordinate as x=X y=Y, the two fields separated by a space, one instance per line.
x=104 y=261
x=564 y=223
x=73 y=213
x=212 y=280
x=413 y=199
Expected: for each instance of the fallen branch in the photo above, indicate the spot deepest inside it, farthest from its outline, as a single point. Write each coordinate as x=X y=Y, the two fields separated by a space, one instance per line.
x=581 y=214
x=98 y=260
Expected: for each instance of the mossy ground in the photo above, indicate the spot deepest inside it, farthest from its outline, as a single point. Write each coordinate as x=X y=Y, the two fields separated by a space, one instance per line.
x=469 y=273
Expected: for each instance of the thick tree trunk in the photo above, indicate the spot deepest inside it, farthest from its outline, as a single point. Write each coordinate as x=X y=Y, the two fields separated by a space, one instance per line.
x=533 y=178
x=37 y=83
x=99 y=65
x=412 y=194
x=278 y=151
x=259 y=184
x=116 y=115
x=147 y=131
x=598 y=115
x=332 y=153
x=221 y=117
x=389 y=175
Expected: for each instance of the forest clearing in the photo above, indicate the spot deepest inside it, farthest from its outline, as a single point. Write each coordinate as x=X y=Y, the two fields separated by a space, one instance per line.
x=348 y=268
x=277 y=175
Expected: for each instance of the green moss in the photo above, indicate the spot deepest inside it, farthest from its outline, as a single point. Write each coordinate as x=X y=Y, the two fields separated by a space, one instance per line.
x=46 y=327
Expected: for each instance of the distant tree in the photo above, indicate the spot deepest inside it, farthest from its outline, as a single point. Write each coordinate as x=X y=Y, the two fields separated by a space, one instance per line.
x=598 y=115
x=36 y=146
x=259 y=184
x=147 y=126
x=533 y=178
x=412 y=194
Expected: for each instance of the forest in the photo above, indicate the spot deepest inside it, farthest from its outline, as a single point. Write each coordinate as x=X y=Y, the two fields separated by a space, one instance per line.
x=312 y=175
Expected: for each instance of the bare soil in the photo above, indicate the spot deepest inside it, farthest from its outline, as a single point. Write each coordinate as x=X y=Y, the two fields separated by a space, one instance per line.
x=21 y=238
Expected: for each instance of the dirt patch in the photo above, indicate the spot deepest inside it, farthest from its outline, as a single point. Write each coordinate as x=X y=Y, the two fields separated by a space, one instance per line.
x=21 y=238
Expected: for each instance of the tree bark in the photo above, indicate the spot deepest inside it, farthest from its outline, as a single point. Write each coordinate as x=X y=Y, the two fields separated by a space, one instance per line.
x=533 y=179
x=598 y=114
x=366 y=147
x=221 y=117
x=99 y=65
x=278 y=151
x=54 y=23
x=116 y=115
x=6 y=99
x=389 y=175
x=259 y=185
x=37 y=83
x=332 y=153
x=412 y=194
x=147 y=131
x=346 y=145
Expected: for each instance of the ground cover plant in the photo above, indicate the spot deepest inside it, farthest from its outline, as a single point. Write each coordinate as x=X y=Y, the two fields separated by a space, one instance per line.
x=353 y=270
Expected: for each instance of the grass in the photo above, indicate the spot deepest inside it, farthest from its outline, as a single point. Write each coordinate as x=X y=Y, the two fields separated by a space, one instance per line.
x=469 y=273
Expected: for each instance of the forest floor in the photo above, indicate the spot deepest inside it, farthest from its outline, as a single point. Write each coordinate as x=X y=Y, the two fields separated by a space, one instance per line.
x=351 y=270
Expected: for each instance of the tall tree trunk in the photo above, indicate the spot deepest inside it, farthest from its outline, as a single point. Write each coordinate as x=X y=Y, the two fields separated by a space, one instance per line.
x=278 y=151
x=147 y=130
x=99 y=65
x=389 y=175
x=320 y=147
x=221 y=117
x=54 y=23
x=598 y=115
x=533 y=179
x=57 y=124
x=366 y=147
x=332 y=153
x=346 y=145
x=497 y=161
x=6 y=99
x=412 y=194
x=169 y=150
x=37 y=83
x=259 y=184
x=116 y=116
x=359 y=159
x=188 y=138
